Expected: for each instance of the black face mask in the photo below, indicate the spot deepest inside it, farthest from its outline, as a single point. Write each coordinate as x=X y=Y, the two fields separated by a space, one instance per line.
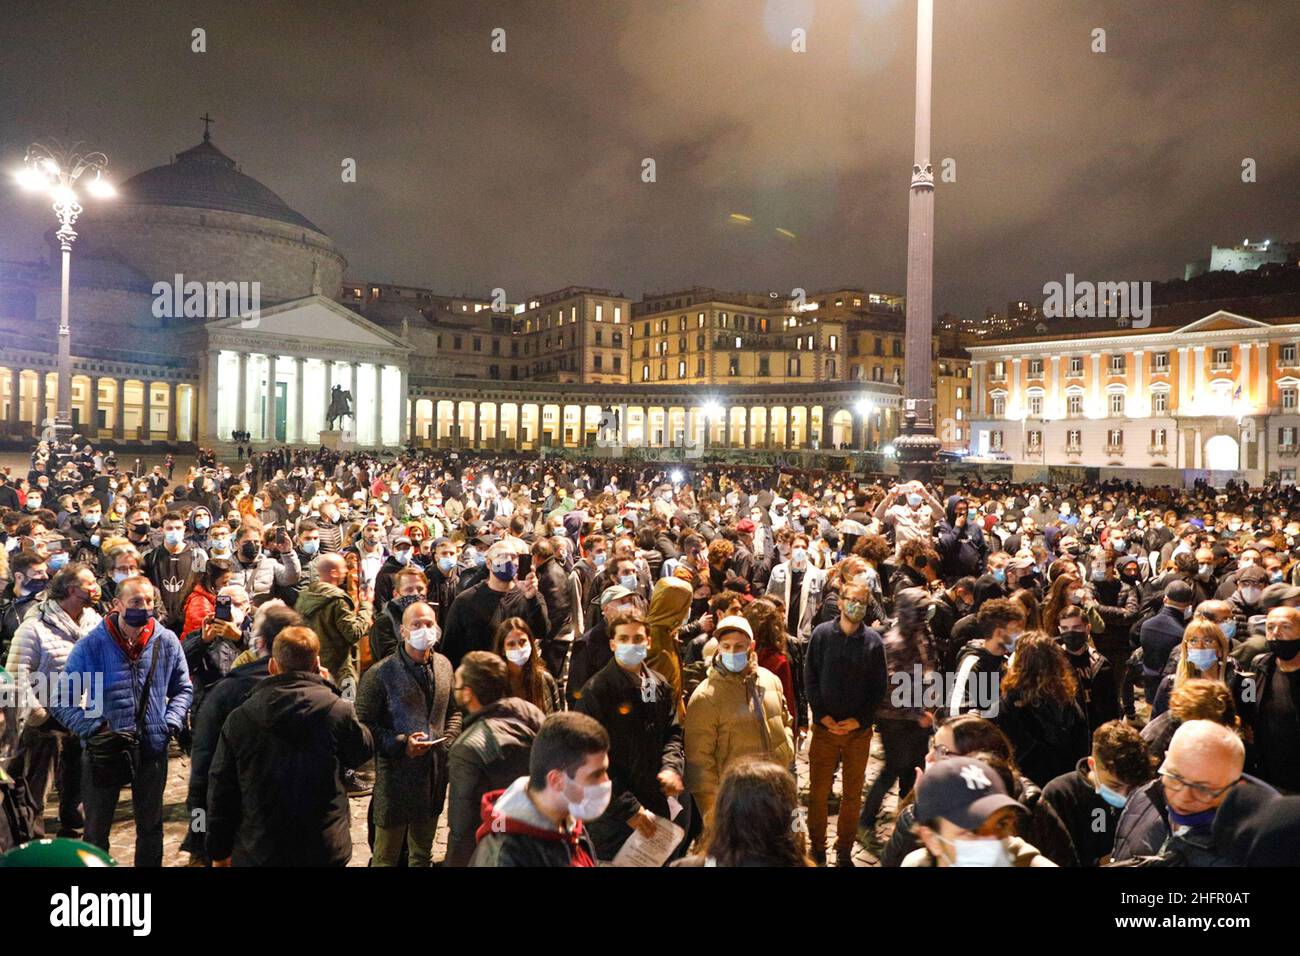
x=1284 y=650
x=1074 y=641
x=139 y=530
x=248 y=550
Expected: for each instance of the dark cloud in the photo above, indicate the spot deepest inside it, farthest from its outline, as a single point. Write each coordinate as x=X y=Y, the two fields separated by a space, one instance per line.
x=522 y=170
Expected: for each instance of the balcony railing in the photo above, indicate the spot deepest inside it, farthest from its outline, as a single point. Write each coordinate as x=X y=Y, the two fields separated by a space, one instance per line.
x=1157 y=449
x=1074 y=449
x=1114 y=449
x=1288 y=451
x=997 y=376
x=1220 y=366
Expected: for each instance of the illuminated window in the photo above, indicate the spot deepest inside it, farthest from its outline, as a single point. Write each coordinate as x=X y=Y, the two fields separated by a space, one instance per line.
x=600 y=312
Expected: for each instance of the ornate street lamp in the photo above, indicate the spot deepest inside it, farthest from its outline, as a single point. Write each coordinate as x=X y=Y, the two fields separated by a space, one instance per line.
x=59 y=172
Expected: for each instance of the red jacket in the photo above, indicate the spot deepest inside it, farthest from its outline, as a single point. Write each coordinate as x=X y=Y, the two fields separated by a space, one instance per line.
x=198 y=606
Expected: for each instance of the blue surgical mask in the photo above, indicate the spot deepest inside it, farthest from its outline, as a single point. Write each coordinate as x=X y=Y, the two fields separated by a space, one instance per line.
x=120 y=576
x=1010 y=641
x=914 y=499
x=1275 y=576
x=628 y=581
x=1116 y=800
x=599 y=559
x=1203 y=658
x=1000 y=575
x=91 y=520
x=445 y=565
x=173 y=537
x=1229 y=628
x=735 y=662
x=630 y=655
x=202 y=524
x=311 y=546
x=57 y=561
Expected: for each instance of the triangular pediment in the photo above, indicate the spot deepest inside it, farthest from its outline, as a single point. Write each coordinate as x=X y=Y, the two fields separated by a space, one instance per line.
x=1223 y=322
x=314 y=317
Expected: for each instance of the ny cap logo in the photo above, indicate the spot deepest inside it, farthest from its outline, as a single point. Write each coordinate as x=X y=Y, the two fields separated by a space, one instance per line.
x=976 y=778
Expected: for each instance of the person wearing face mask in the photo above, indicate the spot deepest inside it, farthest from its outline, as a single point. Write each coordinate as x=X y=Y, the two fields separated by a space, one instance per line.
x=1246 y=600
x=1250 y=557
x=406 y=702
x=845 y=678
x=121 y=561
x=1162 y=632
x=38 y=654
x=1271 y=707
x=30 y=573
x=950 y=606
x=646 y=755
x=86 y=531
x=443 y=574
x=492 y=750
x=529 y=678
x=411 y=585
x=912 y=517
x=198 y=527
x=472 y=566
x=400 y=555
x=475 y=613
x=540 y=819
x=169 y=568
x=1203 y=653
x=737 y=711
x=1097 y=694
x=963 y=549
x=966 y=818
x=1171 y=819
x=264 y=573
x=800 y=587
x=275 y=793
x=127 y=644
x=1090 y=798
x=983 y=659
x=993 y=582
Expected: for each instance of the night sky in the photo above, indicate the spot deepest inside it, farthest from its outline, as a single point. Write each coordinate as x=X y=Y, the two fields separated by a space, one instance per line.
x=523 y=170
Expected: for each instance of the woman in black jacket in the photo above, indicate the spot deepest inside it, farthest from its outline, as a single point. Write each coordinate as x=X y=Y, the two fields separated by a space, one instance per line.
x=1038 y=711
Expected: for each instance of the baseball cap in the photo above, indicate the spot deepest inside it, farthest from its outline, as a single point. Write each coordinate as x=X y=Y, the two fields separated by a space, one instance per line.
x=401 y=540
x=734 y=623
x=1022 y=563
x=962 y=790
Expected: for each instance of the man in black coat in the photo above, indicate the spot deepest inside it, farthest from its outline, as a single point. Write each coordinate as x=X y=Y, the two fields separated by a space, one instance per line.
x=222 y=698
x=477 y=611
x=405 y=700
x=1162 y=632
x=647 y=758
x=276 y=795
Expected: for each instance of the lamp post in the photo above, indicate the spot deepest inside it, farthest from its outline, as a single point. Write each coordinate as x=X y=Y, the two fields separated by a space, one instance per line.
x=55 y=170
x=918 y=447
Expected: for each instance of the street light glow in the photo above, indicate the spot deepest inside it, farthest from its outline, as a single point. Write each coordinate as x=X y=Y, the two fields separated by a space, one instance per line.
x=865 y=407
x=712 y=411
x=101 y=188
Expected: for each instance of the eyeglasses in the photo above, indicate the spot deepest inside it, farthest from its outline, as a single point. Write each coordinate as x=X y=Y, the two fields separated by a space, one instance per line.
x=1176 y=784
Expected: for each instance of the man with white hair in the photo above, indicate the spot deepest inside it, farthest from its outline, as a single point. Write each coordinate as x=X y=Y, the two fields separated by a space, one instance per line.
x=1171 y=818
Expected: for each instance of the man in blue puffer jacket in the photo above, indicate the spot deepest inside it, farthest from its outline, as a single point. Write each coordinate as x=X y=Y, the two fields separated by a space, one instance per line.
x=112 y=663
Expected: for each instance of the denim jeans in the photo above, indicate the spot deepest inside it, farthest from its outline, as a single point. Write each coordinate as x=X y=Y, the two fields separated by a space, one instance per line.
x=905 y=743
x=146 y=808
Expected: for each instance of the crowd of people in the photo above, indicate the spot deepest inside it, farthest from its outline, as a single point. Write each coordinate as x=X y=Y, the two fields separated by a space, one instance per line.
x=577 y=663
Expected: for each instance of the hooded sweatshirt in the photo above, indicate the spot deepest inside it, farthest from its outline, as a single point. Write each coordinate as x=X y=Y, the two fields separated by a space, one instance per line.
x=515 y=833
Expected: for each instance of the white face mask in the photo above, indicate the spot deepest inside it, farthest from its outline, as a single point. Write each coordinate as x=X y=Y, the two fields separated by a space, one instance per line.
x=594 y=800
x=519 y=655
x=423 y=638
x=984 y=852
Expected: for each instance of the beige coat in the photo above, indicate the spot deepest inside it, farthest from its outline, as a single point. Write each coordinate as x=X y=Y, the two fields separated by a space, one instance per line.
x=722 y=726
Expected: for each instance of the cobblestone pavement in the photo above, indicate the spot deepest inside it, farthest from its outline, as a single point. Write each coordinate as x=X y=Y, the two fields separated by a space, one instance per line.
x=122 y=839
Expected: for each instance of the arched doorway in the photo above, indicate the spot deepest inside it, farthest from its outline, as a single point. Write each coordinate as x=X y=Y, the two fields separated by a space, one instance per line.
x=1222 y=454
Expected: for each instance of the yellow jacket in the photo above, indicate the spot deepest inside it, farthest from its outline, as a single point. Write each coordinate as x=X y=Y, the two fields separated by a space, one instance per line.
x=722 y=725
